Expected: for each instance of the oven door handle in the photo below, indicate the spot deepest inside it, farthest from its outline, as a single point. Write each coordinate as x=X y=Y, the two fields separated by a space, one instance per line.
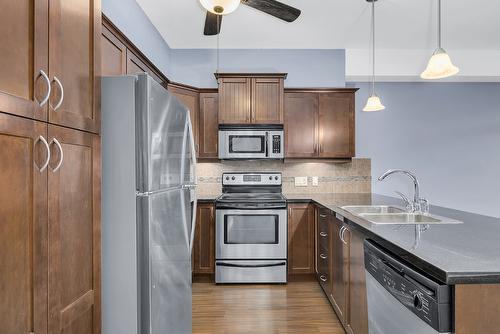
x=225 y=264
x=267 y=144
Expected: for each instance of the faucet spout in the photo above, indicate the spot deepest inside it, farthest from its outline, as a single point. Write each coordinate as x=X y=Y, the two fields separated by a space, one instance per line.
x=416 y=197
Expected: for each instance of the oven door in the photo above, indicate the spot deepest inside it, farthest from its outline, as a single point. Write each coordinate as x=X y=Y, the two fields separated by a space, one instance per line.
x=242 y=144
x=251 y=234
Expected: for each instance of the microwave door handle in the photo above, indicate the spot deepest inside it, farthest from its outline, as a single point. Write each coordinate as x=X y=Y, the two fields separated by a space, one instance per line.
x=267 y=145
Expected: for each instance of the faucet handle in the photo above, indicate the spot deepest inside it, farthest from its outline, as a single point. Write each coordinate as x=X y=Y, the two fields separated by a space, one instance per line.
x=408 y=205
x=425 y=206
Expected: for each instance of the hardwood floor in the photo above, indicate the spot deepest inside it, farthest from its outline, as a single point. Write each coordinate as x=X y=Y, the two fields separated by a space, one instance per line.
x=298 y=308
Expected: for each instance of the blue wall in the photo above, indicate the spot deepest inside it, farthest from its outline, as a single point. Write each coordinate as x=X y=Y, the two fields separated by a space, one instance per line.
x=305 y=68
x=133 y=22
x=448 y=133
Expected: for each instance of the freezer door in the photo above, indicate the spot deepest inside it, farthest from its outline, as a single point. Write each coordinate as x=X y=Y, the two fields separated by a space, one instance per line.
x=164 y=229
x=160 y=126
x=189 y=154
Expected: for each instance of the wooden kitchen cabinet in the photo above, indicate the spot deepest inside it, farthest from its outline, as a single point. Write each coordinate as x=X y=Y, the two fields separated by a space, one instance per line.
x=208 y=126
x=190 y=97
x=24 y=53
x=319 y=123
x=113 y=54
x=358 y=307
x=324 y=251
x=204 y=240
x=74 y=251
x=301 y=238
x=23 y=217
x=251 y=98
x=75 y=63
x=340 y=266
x=301 y=125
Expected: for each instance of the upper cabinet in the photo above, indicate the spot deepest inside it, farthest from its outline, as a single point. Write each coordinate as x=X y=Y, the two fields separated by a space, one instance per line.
x=75 y=63
x=207 y=125
x=251 y=98
x=24 y=80
x=319 y=123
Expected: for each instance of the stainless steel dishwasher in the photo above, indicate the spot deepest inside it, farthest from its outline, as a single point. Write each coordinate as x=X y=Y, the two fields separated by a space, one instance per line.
x=402 y=300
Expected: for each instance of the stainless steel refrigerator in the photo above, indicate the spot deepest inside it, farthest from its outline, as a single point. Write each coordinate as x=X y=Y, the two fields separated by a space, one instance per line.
x=148 y=208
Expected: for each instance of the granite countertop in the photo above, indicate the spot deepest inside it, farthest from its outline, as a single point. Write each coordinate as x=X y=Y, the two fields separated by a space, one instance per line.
x=454 y=254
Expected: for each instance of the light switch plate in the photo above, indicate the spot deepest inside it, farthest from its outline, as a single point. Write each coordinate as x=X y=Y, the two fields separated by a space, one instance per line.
x=315 y=181
x=301 y=181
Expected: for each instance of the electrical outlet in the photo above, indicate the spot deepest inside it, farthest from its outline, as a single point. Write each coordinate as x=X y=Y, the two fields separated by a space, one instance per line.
x=301 y=181
x=315 y=181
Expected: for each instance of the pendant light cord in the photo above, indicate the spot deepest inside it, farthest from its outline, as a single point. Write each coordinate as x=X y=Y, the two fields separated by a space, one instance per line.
x=439 y=23
x=373 y=47
x=218 y=45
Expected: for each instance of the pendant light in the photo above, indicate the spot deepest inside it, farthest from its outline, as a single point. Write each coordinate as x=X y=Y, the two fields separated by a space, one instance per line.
x=373 y=103
x=440 y=65
x=220 y=7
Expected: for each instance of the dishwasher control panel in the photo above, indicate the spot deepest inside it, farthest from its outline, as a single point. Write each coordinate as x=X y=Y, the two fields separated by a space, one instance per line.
x=426 y=298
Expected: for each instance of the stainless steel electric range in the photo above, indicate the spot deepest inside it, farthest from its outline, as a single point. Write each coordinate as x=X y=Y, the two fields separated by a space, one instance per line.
x=251 y=229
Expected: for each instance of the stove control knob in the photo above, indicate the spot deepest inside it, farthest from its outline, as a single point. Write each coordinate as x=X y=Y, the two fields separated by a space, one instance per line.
x=233 y=178
x=270 y=177
x=227 y=178
x=276 y=178
x=417 y=301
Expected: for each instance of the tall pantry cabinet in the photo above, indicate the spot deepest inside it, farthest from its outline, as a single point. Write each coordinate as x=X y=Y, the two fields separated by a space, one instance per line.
x=50 y=166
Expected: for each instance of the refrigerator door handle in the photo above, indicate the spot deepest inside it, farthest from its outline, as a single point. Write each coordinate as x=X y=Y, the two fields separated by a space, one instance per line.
x=193 y=221
x=193 y=187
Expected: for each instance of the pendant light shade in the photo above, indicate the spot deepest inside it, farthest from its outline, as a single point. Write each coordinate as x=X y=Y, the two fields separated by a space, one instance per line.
x=220 y=7
x=440 y=65
x=373 y=103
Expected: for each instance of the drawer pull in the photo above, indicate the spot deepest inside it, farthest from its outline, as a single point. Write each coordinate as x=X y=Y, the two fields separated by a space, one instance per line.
x=323 y=234
x=323 y=256
x=322 y=278
x=322 y=216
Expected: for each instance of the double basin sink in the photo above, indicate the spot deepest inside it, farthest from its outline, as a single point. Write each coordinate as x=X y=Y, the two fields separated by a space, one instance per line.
x=387 y=215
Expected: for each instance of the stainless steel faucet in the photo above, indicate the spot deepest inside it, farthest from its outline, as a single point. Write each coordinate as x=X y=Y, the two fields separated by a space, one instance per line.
x=419 y=205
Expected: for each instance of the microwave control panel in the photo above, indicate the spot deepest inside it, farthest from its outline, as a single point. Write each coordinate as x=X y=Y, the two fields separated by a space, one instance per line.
x=276 y=143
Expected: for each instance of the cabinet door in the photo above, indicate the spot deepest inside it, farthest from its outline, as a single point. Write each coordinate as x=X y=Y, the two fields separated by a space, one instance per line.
x=204 y=245
x=208 y=125
x=74 y=232
x=358 y=307
x=114 y=54
x=75 y=63
x=234 y=100
x=301 y=125
x=300 y=239
x=340 y=264
x=191 y=99
x=336 y=125
x=23 y=220
x=23 y=45
x=135 y=66
x=267 y=101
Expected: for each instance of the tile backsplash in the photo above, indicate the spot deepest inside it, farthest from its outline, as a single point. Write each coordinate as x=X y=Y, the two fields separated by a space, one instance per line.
x=349 y=177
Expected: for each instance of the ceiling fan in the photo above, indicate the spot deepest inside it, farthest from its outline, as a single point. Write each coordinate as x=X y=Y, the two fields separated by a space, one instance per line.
x=217 y=8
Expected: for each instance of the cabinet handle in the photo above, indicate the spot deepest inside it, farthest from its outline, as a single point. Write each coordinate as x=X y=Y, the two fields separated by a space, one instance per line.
x=61 y=99
x=323 y=234
x=322 y=278
x=323 y=256
x=46 y=163
x=342 y=235
x=47 y=81
x=322 y=216
x=58 y=144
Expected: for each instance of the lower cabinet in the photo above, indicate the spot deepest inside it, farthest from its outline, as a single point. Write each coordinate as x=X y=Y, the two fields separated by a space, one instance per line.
x=340 y=269
x=50 y=240
x=301 y=239
x=204 y=240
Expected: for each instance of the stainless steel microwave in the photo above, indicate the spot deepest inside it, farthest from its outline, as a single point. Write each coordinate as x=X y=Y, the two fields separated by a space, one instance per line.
x=251 y=142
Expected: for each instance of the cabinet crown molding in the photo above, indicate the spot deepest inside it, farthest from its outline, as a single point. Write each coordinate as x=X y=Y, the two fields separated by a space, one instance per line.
x=251 y=75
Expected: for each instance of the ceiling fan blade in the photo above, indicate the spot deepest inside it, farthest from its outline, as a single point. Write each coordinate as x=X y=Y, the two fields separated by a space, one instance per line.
x=212 y=24
x=274 y=8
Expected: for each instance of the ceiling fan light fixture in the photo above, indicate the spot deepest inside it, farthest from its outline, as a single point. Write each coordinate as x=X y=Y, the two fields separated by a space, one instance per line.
x=373 y=104
x=439 y=66
x=220 y=7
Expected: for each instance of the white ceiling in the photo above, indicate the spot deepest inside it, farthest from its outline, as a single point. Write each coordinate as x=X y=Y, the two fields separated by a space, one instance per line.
x=337 y=24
